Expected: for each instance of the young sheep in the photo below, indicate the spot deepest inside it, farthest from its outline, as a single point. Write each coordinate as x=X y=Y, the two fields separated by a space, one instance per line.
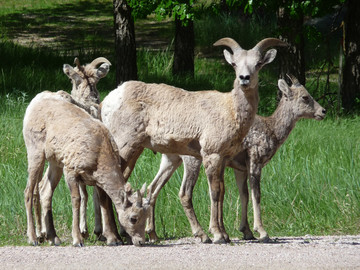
x=265 y=137
x=85 y=95
x=81 y=147
x=208 y=125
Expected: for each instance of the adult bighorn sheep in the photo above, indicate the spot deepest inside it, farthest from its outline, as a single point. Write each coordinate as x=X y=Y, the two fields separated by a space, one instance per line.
x=84 y=94
x=81 y=147
x=208 y=125
x=265 y=137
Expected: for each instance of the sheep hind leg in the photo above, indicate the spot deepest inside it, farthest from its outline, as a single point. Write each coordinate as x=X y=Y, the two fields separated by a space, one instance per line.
x=191 y=174
x=168 y=165
x=35 y=169
x=83 y=206
x=47 y=186
x=255 y=176
x=241 y=181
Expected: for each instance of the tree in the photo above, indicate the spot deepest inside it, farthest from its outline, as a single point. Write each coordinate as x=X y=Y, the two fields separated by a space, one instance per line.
x=290 y=21
x=183 y=14
x=125 y=45
x=350 y=91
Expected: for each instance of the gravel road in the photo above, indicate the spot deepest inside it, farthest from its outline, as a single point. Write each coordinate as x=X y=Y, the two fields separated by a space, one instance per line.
x=308 y=252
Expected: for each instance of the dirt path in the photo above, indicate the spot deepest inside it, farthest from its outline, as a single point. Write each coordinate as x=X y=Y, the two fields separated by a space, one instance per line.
x=328 y=252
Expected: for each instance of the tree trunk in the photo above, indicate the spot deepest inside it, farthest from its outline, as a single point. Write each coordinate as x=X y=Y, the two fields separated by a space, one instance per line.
x=184 y=48
x=125 y=46
x=350 y=92
x=291 y=31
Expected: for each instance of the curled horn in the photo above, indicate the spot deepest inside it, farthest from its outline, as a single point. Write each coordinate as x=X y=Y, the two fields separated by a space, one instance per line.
x=269 y=42
x=293 y=79
x=229 y=42
x=138 y=198
x=98 y=61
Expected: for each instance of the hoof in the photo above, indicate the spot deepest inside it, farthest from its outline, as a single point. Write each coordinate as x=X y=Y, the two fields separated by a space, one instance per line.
x=85 y=235
x=265 y=239
x=220 y=241
x=153 y=237
x=34 y=243
x=79 y=245
x=55 y=242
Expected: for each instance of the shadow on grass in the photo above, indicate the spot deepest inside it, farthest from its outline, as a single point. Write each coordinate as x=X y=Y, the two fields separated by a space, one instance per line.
x=79 y=25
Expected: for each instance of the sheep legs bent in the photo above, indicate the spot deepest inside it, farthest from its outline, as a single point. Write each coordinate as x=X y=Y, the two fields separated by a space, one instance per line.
x=214 y=168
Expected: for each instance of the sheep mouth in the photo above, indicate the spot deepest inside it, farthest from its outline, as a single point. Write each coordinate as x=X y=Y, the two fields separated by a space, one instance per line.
x=319 y=117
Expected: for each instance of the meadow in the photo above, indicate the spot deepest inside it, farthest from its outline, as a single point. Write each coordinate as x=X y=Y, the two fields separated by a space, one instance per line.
x=311 y=186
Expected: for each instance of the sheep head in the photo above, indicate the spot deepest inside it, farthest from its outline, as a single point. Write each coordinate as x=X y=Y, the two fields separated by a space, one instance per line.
x=133 y=213
x=85 y=78
x=302 y=104
x=247 y=63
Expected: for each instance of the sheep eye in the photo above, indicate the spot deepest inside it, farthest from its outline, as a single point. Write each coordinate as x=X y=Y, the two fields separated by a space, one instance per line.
x=306 y=99
x=233 y=64
x=133 y=220
x=259 y=64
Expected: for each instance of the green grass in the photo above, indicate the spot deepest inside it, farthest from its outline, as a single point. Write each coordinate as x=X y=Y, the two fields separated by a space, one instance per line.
x=310 y=187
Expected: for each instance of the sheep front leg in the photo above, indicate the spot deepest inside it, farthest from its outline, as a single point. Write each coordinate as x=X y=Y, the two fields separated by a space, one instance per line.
x=255 y=176
x=109 y=230
x=191 y=174
x=241 y=181
x=73 y=185
x=168 y=165
x=214 y=169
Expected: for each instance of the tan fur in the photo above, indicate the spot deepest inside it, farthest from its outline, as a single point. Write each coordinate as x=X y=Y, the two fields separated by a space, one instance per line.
x=266 y=135
x=76 y=144
x=208 y=124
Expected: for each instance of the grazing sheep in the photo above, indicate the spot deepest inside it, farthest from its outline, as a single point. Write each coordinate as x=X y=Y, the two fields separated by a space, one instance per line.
x=265 y=137
x=81 y=147
x=208 y=125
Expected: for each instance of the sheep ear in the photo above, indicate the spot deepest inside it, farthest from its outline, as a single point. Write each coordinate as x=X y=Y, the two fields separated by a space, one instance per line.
x=284 y=88
x=103 y=70
x=124 y=200
x=269 y=56
x=229 y=57
x=71 y=73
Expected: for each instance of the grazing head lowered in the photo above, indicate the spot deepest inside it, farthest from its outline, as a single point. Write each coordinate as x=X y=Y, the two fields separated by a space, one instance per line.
x=80 y=147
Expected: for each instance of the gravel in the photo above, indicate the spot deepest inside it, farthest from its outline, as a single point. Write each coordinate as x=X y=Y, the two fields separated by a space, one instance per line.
x=307 y=252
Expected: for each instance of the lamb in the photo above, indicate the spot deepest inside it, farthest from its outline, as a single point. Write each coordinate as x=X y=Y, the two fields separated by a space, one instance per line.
x=208 y=125
x=265 y=137
x=85 y=95
x=84 y=80
x=81 y=147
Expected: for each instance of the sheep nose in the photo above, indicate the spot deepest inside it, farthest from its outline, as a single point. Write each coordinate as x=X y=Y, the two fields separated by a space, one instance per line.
x=246 y=77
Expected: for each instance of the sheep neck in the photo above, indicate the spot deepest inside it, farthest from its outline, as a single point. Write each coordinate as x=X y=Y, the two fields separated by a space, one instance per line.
x=283 y=120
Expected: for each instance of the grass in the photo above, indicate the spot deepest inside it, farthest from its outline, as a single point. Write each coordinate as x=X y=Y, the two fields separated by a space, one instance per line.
x=311 y=185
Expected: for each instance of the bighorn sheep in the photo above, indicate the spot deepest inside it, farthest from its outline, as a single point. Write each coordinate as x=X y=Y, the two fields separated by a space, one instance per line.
x=208 y=125
x=85 y=95
x=265 y=137
x=84 y=80
x=81 y=147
